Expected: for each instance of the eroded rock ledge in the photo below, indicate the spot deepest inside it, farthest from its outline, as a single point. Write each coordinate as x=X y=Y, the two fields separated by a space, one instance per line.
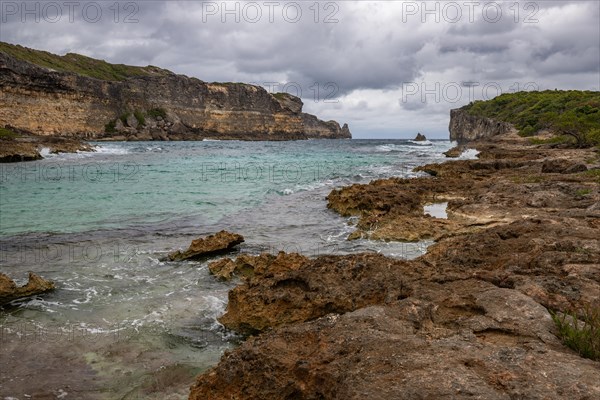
x=29 y=148
x=211 y=245
x=469 y=319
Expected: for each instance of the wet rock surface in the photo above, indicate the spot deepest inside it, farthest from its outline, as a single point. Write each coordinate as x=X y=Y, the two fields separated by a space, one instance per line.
x=469 y=319
x=10 y=291
x=27 y=147
x=219 y=243
x=455 y=152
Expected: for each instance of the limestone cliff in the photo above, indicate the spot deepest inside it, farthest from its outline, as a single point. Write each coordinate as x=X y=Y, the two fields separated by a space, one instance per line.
x=57 y=101
x=465 y=127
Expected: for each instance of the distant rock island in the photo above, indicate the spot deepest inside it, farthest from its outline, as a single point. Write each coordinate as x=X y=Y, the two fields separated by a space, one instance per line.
x=77 y=96
x=420 y=137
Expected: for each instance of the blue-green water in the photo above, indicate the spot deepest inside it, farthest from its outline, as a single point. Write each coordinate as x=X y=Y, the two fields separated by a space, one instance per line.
x=98 y=224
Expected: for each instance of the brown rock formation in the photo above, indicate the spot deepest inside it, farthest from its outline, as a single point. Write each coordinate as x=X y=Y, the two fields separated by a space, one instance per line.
x=465 y=339
x=211 y=245
x=9 y=290
x=247 y=266
x=293 y=288
x=47 y=102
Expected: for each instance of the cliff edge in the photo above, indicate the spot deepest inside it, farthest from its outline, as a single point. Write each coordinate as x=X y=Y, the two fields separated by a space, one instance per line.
x=73 y=95
x=465 y=127
x=570 y=117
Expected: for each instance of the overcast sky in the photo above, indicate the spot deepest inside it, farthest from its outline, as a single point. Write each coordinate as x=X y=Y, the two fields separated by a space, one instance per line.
x=387 y=68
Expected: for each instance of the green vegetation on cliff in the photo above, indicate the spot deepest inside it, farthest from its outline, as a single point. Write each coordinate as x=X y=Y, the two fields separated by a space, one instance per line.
x=571 y=113
x=6 y=133
x=79 y=64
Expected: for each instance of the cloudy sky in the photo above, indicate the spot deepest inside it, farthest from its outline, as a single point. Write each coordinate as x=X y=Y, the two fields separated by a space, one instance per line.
x=387 y=68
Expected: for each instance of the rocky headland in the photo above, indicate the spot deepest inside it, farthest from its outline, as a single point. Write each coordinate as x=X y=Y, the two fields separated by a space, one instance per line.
x=76 y=96
x=471 y=318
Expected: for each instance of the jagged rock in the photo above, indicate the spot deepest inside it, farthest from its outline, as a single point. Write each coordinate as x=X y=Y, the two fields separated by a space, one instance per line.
x=132 y=121
x=465 y=127
x=575 y=168
x=9 y=290
x=293 y=288
x=246 y=266
x=455 y=152
x=218 y=243
x=27 y=147
x=420 y=137
x=292 y=103
x=460 y=340
x=178 y=128
x=562 y=166
x=14 y=151
x=392 y=209
x=119 y=127
x=346 y=132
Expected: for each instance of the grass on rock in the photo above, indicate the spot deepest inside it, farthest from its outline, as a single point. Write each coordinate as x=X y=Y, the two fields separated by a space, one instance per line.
x=580 y=334
x=80 y=64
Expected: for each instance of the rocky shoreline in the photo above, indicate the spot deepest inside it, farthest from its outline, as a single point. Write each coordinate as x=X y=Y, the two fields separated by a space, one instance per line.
x=27 y=147
x=469 y=319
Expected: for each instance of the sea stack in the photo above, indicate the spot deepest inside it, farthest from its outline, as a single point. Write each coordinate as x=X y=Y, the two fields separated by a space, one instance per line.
x=420 y=137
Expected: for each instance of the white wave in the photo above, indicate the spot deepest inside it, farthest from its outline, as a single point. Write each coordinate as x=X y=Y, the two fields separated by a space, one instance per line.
x=469 y=154
x=307 y=187
x=421 y=143
x=211 y=140
x=111 y=149
x=89 y=294
x=386 y=147
x=45 y=152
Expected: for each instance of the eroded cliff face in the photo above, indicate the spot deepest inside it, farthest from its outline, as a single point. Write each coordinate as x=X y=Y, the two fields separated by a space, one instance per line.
x=47 y=102
x=465 y=127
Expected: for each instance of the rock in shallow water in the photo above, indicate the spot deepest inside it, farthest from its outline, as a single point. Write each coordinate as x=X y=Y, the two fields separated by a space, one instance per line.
x=455 y=152
x=9 y=290
x=218 y=243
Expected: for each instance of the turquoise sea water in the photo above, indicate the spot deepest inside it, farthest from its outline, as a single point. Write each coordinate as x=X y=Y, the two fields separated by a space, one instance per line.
x=124 y=324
